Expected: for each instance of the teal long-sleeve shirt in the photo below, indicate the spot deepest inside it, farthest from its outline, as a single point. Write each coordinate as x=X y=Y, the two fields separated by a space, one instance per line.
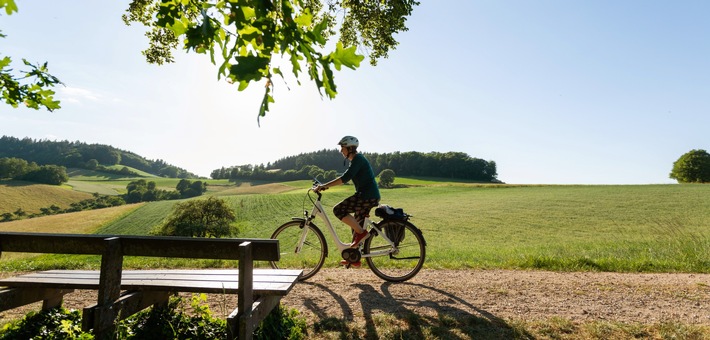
x=360 y=172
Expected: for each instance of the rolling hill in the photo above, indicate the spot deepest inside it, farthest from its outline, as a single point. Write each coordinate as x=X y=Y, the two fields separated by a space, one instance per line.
x=31 y=197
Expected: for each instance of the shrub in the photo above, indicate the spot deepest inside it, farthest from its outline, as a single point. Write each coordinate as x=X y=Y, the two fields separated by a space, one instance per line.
x=171 y=322
x=51 y=324
x=47 y=174
x=386 y=178
x=200 y=218
x=281 y=324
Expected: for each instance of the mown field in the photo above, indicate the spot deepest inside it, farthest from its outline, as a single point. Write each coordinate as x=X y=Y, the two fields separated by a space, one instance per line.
x=32 y=197
x=624 y=228
x=619 y=228
x=651 y=228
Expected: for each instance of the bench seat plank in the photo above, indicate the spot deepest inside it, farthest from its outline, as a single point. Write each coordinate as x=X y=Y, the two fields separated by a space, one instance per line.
x=266 y=281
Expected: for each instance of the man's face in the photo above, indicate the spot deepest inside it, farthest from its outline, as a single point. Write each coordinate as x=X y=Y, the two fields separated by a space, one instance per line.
x=344 y=150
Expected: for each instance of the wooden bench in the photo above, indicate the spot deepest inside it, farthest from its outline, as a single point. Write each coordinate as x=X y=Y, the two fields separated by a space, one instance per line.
x=123 y=293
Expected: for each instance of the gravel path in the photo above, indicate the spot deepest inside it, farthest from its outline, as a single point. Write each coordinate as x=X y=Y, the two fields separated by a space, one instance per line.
x=356 y=295
x=505 y=294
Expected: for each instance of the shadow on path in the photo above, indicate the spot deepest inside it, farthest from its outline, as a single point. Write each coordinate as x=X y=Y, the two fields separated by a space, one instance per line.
x=432 y=313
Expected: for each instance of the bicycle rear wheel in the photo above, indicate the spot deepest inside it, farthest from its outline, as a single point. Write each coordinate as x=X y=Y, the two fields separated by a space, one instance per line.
x=309 y=257
x=408 y=257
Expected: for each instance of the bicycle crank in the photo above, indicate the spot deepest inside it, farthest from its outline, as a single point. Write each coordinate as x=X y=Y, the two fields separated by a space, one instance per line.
x=351 y=255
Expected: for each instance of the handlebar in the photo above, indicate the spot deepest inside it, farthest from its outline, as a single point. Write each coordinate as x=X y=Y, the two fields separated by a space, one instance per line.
x=316 y=183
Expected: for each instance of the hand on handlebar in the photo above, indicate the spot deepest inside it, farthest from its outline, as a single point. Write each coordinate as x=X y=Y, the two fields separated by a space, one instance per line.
x=320 y=188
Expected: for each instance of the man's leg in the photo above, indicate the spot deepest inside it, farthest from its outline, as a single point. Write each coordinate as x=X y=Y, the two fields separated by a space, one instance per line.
x=352 y=222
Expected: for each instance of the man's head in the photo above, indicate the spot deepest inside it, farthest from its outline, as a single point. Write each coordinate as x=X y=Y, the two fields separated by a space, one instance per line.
x=348 y=145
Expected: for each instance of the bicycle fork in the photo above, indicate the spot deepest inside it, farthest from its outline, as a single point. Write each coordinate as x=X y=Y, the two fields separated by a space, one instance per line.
x=304 y=226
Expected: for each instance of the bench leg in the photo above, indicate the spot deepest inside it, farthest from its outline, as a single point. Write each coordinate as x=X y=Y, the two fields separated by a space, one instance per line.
x=126 y=305
x=243 y=326
x=16 y=297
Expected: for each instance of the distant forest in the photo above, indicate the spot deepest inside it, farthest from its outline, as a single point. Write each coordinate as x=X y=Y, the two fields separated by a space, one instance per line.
x=326 y=164
x=85 y=156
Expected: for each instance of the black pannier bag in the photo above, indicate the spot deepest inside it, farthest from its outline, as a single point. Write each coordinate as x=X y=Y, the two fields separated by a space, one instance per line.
x=388 y=213
x=394 y=231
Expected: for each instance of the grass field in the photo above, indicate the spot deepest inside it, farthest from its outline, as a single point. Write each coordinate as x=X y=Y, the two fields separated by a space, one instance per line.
x=621 y=228
x=626 y=228
x=31 y=197
x=607 y=228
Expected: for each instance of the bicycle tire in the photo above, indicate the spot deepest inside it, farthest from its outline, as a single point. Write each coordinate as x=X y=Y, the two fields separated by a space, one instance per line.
x=403 y=265
x=312 y=255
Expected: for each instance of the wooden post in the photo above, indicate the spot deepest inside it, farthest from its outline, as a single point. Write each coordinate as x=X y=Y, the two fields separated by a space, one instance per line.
x=102 y=317
x=245 y=292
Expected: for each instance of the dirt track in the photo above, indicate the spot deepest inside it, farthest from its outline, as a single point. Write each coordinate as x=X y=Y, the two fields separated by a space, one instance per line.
x=497 y=294
x=356 y=295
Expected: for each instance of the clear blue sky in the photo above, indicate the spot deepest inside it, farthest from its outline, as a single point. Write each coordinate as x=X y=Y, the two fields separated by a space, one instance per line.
x=555 y=92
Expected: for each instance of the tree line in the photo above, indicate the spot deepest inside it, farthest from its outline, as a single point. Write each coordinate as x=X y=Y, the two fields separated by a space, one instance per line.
x=85 y=156
x=20 y=169
x=326 y=164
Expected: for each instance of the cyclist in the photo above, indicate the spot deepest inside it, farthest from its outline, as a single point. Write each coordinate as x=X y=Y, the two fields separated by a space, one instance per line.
x=352 y=210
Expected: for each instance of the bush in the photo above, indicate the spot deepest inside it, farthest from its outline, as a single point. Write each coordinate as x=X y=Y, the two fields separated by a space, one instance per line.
x=47 y=174
x=386 y=178
x=170 y=322
x=281 y=324
x=51 y=324
x=200 y=218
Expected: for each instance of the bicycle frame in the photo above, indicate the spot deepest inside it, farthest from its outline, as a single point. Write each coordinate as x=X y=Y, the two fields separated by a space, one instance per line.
x=318 y=211
x=306 y=245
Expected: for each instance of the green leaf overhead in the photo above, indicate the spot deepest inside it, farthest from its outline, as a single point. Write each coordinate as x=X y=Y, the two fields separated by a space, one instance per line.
x=33 y=87
x=248 y=34
x=345 y=57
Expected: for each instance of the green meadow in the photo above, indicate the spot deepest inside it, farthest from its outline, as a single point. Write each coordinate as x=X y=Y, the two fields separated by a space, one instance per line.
x=621 y=228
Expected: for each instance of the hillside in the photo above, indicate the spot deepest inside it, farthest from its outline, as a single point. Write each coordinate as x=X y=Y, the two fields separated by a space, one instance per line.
x=81 y=222
x=82 y=155
x=31 y=197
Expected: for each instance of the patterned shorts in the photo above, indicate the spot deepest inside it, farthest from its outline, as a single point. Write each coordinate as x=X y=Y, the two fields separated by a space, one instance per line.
x=357 y=206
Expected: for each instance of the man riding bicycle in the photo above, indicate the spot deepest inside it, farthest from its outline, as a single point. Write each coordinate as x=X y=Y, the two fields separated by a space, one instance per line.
x=352 y=210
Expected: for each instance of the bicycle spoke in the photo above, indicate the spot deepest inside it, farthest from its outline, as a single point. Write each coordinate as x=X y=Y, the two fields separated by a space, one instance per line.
x=405 y=260
x=311 y=255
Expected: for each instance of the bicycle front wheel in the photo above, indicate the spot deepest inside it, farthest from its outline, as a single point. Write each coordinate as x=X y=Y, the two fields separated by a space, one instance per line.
x=308 y=255
x=403 y=261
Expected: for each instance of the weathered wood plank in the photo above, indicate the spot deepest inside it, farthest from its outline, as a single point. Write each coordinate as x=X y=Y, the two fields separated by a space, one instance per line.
x=15 y=297
x=166 y=278
x=152 y=246
x=195 y=281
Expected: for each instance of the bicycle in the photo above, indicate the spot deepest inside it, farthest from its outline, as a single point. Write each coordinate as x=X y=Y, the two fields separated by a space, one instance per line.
x=395 y=250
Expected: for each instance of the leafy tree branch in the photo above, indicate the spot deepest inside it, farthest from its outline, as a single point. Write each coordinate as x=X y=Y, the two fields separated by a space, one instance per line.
x=29 y=87
x=242 y=37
